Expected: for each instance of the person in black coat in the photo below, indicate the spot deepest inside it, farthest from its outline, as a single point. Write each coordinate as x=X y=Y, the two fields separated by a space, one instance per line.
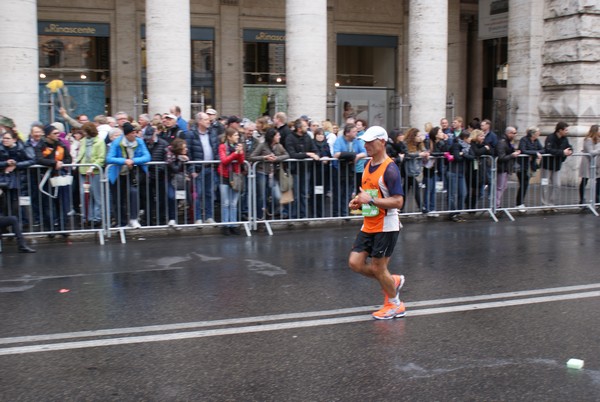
x=557 y=145
x=479 y=170
x=154 y=200
x=202 y=145
x=529 y=161
x=323 y=170
x=506 y=155
x=51 y=152
x=300 y=146
x=14 y=161
x=459 y=159
x=433 y=168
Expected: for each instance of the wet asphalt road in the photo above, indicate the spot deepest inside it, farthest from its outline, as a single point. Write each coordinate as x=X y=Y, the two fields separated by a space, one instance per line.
x=495 y=310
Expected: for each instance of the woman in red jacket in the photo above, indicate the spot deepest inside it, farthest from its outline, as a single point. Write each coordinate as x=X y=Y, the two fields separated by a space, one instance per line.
x=231 y=154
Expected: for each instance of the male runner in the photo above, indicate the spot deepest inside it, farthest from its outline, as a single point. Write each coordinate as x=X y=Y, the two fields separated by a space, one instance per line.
x=380 y=198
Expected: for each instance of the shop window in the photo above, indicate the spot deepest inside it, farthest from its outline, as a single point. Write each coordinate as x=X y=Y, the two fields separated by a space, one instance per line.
x=202 y=75
x=365 y=66
x=264 y=63
x=366 y=60
x=74 y=58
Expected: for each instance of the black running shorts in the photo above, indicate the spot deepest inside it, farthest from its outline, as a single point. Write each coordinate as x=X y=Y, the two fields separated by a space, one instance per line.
x=378 y=245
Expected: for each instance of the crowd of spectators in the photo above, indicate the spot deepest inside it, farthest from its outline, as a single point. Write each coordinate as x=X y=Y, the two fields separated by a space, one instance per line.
x=207 y=160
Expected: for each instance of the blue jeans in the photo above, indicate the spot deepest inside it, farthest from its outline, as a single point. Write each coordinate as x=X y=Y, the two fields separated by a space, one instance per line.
x=229 y=203
x=343 y=186
x=299 y=209
x=457 y=190
x=171 y=202
x=265 y=186
x=429 y=197
x=91 y=210
x=205 y=194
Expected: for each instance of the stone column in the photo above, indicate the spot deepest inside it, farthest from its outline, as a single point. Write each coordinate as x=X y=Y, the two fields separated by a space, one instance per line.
x=427 y=61
x=306 y=58
x=525 y=41
x=475 y=81
x=458 y=64
x=168 y=55
x=19 y=81
x=570 y=77
x=331 y=68
x=229 y=74
x=124 y=86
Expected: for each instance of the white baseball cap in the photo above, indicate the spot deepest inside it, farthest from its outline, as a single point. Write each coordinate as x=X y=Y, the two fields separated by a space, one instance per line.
x=374 y=133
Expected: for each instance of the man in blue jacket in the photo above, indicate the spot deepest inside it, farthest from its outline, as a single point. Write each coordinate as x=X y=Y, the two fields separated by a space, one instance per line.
x=125 y=156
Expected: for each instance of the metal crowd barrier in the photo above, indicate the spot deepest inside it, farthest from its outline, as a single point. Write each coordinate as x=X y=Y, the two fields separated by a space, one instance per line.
x=321 y=191
x=49 y=203
x=446 y=186
x=139 y=199
x=533 y=187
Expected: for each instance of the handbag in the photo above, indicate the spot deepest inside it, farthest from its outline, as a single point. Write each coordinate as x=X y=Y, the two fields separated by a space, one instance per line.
x=236 y=181
x=178 y=181
x=286 y=181
x=60 y=181
x=287 y=197
x=56 y=182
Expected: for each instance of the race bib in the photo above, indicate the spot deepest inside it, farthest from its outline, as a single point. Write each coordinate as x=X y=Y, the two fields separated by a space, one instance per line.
x=370 y=210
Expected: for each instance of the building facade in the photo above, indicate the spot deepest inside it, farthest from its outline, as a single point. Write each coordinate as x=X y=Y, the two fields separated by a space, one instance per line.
x=394 y=63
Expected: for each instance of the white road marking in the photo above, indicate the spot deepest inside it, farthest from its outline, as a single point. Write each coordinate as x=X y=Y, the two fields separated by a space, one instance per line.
x=283 y=325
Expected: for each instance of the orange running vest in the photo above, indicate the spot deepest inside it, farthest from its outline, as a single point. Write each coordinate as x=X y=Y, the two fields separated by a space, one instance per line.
x=387 y=219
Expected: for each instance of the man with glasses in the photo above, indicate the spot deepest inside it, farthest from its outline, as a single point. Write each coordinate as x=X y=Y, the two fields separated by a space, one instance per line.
x=121 y=118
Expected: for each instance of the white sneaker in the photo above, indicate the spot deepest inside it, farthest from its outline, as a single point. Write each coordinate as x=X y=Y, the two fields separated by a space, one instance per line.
x=433 y=214
x=172 y=223
x=521 y=208
x=198 y=222
x=210 y=220
x=134 y=224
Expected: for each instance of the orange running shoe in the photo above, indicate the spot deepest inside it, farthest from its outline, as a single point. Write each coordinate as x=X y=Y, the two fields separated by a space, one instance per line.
x=390 y=311
x=398 y=283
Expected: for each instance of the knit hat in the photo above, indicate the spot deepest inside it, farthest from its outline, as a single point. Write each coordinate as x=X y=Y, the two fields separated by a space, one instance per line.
x=48 y=129
x=127 y=128
x=233 y=119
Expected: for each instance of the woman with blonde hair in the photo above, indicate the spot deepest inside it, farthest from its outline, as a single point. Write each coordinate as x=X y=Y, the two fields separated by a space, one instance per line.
x=591 y=145
x=330 y=136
